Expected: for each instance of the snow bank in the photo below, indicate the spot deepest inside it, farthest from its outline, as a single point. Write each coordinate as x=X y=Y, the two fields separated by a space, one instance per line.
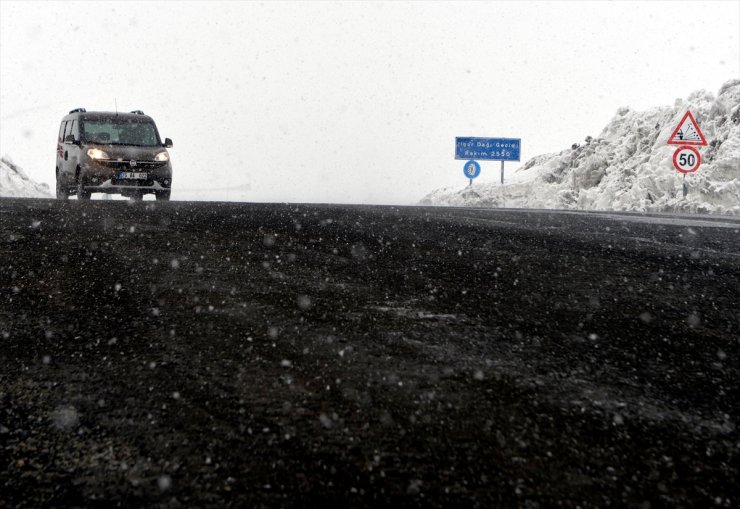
x=629 y=166
x=15 y=183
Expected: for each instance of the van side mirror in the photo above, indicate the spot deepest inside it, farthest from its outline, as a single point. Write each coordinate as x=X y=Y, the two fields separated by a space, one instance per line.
x=167 y=143
x=70 y=138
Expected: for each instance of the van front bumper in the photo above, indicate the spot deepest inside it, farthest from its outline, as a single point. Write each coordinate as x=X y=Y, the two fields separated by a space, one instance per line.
x=109 y=186
x=107 y=177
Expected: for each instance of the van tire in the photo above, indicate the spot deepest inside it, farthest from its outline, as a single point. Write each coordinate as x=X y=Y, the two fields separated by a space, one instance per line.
x=82 y=194
x=62 y=187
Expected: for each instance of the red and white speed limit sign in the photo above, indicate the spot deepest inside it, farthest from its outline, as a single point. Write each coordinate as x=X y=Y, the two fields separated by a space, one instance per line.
x=686 y=159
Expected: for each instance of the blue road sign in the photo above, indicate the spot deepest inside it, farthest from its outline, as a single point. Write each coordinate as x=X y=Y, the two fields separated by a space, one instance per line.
x=488 y=149
x=472 y=169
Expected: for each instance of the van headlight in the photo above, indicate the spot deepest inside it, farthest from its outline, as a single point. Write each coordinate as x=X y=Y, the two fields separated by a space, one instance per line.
x=162 y=156
x=96 y=153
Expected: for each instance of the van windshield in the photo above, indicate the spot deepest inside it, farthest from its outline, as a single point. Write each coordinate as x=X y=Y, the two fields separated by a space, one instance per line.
x=120 y=132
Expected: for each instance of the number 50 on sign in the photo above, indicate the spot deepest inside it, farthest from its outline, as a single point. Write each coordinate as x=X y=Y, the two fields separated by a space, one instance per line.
x=686 y=159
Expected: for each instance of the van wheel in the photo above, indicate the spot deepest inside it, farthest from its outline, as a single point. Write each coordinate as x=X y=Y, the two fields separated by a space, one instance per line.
x=162 y=195
x=82 y=194
x=62 y=188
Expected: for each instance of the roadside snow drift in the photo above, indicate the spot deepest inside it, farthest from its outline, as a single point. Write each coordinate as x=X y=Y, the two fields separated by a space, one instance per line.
x=15 y=183
x=629 y=166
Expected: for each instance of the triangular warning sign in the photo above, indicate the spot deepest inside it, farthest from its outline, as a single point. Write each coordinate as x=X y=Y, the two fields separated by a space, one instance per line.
x=687 y=132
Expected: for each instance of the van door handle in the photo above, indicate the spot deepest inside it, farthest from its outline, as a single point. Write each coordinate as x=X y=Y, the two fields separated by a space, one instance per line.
x=65 y=155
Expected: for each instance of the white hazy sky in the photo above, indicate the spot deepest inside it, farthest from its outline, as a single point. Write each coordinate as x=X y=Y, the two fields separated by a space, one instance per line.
x=350 y=102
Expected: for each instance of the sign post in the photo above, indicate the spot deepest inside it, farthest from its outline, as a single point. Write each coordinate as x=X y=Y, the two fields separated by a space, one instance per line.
x=686 y=159
x=489 y=149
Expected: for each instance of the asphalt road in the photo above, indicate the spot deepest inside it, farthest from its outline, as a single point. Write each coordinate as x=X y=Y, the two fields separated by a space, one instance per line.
x=247 y=355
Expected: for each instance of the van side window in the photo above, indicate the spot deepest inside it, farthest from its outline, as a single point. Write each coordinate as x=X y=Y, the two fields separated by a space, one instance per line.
x=67 y=130
x=61 y=132
x=76 y=129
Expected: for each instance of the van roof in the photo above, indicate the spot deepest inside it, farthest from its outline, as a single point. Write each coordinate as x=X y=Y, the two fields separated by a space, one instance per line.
x=90 y=115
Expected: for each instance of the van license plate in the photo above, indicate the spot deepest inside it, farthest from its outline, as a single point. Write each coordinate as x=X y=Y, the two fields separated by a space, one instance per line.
x=135 y=175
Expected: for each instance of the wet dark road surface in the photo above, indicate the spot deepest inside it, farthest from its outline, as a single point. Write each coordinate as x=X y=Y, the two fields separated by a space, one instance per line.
x=247 y=355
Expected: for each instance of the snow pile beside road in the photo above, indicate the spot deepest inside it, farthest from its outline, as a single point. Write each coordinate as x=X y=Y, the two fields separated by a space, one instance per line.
x=629 y=166
x=15 y=183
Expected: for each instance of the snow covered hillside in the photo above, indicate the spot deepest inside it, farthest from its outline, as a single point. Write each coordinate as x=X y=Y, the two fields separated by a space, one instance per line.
x=15 y=183
x=629 y=166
